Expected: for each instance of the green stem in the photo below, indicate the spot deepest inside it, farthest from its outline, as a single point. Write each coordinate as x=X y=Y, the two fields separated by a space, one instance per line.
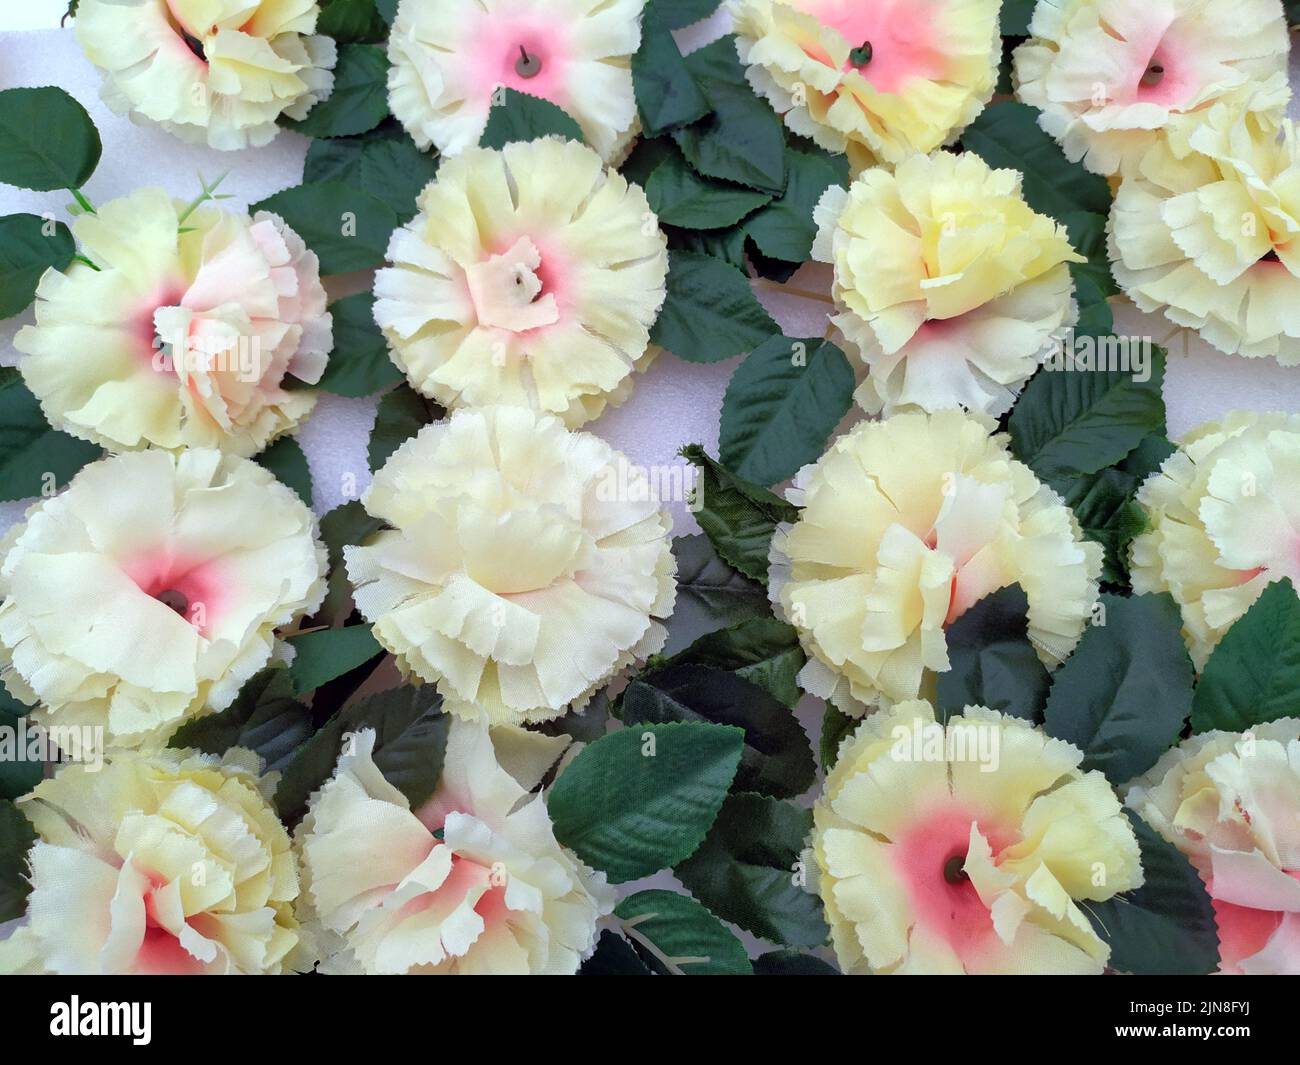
x=83 y=259
x=85 y=204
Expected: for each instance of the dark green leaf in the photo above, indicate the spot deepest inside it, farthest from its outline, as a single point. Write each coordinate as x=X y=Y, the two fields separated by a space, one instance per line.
x=18 y=773
x=34 y=459
x=328 y=653
x=344 y=526
x=359 y=364
x=614 y=956
x=1088 y=235
x=359 y=99
x=265 y=718
x=286 y=460
x=718 y=61
x=835 y=726
x=28 y=247
x=666 y=94
x=680 y=197
x=776 y=759
x=402 y=413
x=1124 y=694
x=351 y=20
x=738 y=517
x=747 y=871
x=710 y=313
x=47 y=140
x=993 y=662
x=785 y=229
x=1253 y=676
x=725 y=244
x=792 y=963
x=686 y=939
x=16 y=839
x=387 y=10
x=1166 y=927
x=710 y=594
x=1015 y=17
x=763 y=651
x=520 y=117
x=782 y=405
x=641 y=799
x=742 y=140
x=347 y=229
x=678 y=13
x=384 y=163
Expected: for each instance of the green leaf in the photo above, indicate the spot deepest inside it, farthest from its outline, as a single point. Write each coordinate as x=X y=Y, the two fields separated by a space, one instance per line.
x=18 y=773
x=1015 y=17
x=286 y=460
x=265 y=718
x=741 y=140
x=666 y=94
x=763 y=651
x=1253 y=676
x=344 y=526
x=782 y=405
x=710 y=594
x=640 y=800
x=1074 y=422
x=680 y=197
x=328 y=653
x=359 y=100
x=1007 y=136
x=410 y=742
x=1166 y=927
x=725 y=244
x=16 y=839
x=792 y=963
x=785 y=229
x=347 y=229
x=993 y=662
x=718 y=61
x=1124 y=694
x=47 y=140
x=359 y=364
x=1088 y=235
x=738 y=517
x=835 y=726
x=351 y=20
x=683 y=938
x=745 y=871
x=402 y=413
x=678 y=13
x=34 y=459
x=26 y=252
x=521 y=117
x=384 y=163
x=776 y=760
x=387 y=10
x=710 y=313
x=614 y=956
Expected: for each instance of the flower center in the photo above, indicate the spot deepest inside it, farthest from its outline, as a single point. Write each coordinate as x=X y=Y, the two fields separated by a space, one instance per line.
x=528 y=66
x=507 y=291
x=1154 y=75
x=954 y=869
x=861 y=55
x=176 y=600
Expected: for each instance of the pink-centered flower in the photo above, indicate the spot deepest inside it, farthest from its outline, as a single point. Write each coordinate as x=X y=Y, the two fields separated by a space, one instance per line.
x=184 y=332
x=450 y=58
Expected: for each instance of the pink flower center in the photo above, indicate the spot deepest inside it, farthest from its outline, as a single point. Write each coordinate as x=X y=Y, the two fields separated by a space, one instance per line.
x=189 y=35
x=893 y=41
x=141 y=326
x=190 y=587
x=523 y=51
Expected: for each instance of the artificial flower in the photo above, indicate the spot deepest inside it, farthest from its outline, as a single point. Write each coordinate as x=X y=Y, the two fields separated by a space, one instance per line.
x=170 y=863
x=450 y=57
x=1231 y=803
x=905 y=525
x=948 y=286
x=525 y=565
x=1223 y=522
x=1111 y=78
x=472 y=882
x=966 y=848
x=880 y=79
x=182 y=332
x=219 y=72
x=1209 y=234
x=147 y=592
x=531 y=276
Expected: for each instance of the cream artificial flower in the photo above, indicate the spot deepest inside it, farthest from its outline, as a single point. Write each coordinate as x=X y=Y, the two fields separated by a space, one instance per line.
x=1209 y=234
x=492 y=893
x=905 y=525
x=1223 y=522
x=215 y=72
x=147 y=592
x=183 y=331
x=948 y=286
x=1114 y=77
x=525 y=565
x=449 y=57
x=1231 y=803
x=880 y=79
x=531 y=276
x=966 y=849
x=170 y=863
